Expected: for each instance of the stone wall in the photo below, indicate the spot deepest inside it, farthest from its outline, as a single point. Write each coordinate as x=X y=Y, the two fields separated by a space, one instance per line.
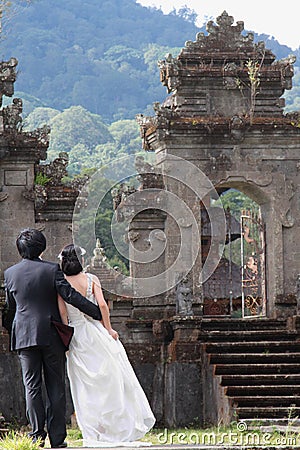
x=24 y=203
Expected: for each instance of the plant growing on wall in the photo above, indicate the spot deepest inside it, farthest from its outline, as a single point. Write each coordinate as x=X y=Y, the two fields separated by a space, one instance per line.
x=41 y=179
x=253 y=68
x=253 y=71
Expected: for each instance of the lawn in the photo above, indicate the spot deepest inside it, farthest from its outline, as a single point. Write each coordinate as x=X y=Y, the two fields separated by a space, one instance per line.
x=237 y=434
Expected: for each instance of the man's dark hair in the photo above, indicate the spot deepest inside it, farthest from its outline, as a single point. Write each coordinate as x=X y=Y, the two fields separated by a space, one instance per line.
x=31 y=243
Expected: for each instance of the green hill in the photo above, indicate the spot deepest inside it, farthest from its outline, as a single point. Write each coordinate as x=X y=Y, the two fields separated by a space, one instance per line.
x=99 y=54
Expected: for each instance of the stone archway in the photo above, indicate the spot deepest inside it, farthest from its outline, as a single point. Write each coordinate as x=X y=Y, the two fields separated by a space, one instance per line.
x=236 y=288
x=238 y=141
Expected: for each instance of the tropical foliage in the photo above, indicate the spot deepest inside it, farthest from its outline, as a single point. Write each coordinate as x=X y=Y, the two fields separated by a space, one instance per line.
x=101 y=55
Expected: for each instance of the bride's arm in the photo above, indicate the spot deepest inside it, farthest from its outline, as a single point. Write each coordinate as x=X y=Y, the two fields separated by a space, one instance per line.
x=62 y=310
x=103 y=307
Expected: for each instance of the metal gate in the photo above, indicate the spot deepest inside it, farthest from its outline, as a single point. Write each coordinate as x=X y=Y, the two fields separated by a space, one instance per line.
x=237 y=286
x=253 y=265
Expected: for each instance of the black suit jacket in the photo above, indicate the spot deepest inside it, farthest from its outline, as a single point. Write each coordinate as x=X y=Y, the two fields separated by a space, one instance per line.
x=31 y=301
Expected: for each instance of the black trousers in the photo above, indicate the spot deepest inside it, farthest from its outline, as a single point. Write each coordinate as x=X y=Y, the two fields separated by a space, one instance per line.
x=47 y=361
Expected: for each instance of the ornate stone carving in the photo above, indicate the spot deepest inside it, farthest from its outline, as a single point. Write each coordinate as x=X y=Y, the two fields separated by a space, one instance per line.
x=41 y=197
x=120 y=194
x=8 y=76
x=3 y=196
x=42 y=135
x=55 y=171
x=147 y=125
x=238 y=126
x=12 y=119
x=184 y=298
x=149 y=176
x=230 y=71
x=169 y=69
x=224 y=33
x=99 y=258
x=133 y=235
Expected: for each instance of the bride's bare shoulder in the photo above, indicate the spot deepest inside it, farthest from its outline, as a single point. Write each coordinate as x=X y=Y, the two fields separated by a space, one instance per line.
x=95 y=279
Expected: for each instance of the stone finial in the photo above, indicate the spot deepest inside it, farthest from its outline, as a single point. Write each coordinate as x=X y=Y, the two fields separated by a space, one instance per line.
x=222 y=33
x=54 y=172
x=99 y=258
x=225 y=26
x=8 y=76
x=12 y=119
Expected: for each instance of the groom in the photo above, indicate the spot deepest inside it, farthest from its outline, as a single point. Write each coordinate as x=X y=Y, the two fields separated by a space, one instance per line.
x=32 y=286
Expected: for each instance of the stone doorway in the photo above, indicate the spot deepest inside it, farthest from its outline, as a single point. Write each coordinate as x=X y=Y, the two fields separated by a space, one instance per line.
x=237 y=287
x=253 y=265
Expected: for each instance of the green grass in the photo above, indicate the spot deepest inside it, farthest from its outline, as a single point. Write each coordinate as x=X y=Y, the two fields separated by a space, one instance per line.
x=18 y=441
x=74 y=437
x=237 y=434
x=233 y=435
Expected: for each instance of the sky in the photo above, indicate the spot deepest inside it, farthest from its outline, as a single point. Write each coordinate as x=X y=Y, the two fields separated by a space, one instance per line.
x=280 y=20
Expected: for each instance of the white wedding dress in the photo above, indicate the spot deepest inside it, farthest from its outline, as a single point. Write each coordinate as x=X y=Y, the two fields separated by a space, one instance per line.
x=110 y=405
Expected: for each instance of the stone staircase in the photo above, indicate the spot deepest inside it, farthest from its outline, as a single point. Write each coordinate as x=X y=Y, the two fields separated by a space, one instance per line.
x=257 y=362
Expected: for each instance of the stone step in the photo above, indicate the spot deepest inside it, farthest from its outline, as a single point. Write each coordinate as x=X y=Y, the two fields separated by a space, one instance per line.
x=262 y=379
x=273 y=422
x=254 y=358
x=263 y=401
x=248 y=336
x=231 y=324
x=245 y=369
x=255 y=347
x=259 y=366
x=267 y=413
x=262 y=390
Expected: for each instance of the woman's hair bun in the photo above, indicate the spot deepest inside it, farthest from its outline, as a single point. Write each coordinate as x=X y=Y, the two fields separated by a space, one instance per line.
x=71 y=259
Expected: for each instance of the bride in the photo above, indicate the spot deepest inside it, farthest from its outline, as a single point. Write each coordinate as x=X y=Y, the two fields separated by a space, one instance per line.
x=110 y=405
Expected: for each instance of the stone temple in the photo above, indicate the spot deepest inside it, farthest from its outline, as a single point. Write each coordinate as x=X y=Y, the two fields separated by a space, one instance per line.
x=212 y=332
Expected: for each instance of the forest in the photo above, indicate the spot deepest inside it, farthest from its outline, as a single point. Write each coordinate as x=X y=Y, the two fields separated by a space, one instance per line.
x=101 y=55
x=87 y=68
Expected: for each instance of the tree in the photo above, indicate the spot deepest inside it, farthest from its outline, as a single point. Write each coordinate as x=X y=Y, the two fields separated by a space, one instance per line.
x=237 y=201
x=101 y=55
x=187 y=14
x=90 y=226
x=119 y=54
x=38 y=117
x=126 y=135
x=76 y=126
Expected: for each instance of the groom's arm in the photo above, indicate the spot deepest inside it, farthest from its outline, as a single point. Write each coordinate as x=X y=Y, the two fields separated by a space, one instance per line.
x=70 y=295
x=9 y=309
